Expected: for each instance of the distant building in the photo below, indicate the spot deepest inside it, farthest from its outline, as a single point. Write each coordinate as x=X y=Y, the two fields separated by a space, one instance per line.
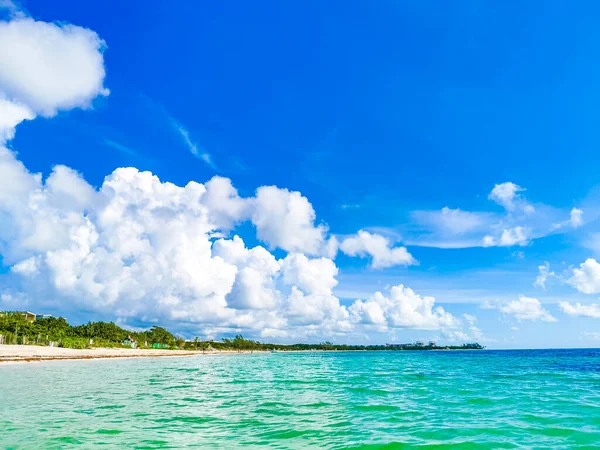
x=42 y=316
x=157 y=345
x=29 y=316
x=432 y=343
x=129 y=342
x=420 y=344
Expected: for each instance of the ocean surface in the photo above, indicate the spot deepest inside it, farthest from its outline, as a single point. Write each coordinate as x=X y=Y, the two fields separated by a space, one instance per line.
x=326 y=400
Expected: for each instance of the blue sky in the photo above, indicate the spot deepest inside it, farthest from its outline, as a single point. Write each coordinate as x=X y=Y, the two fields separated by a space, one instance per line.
x=380 y=115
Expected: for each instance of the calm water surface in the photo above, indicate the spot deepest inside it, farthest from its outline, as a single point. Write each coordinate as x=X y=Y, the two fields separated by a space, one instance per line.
x=488 y=399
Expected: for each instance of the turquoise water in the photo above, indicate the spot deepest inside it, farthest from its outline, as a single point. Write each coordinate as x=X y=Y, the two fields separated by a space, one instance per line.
x=487 y=399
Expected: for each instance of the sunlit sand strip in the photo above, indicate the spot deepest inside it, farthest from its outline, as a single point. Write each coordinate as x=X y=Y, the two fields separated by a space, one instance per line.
x=31 y=353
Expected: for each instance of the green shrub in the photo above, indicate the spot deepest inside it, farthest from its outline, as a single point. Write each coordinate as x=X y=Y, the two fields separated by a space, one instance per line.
x=79 y=343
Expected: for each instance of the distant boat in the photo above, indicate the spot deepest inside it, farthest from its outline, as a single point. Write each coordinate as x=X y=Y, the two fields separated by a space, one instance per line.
x=274 y=351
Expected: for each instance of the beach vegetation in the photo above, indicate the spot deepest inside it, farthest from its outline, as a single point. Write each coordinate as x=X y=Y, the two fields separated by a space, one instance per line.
x=16 y=329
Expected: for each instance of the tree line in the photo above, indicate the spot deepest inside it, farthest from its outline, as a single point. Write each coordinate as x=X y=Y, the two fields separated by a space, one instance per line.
x=16 y=329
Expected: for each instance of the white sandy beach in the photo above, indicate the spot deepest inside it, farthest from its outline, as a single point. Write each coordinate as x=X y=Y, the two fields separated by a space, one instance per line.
x=27 y=353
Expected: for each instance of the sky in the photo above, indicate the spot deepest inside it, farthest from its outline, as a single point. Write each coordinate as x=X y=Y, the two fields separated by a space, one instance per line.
x=358 y=172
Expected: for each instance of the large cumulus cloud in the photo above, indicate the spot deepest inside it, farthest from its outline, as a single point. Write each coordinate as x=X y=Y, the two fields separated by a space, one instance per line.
x=139 y=248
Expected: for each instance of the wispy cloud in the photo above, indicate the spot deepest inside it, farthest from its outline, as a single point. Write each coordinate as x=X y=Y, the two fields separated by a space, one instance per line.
x=518 y=225
x=198 y=152
x=120 y=147
x=593 y=335
x=544 y=275
x=133 y=154
x=13 y=8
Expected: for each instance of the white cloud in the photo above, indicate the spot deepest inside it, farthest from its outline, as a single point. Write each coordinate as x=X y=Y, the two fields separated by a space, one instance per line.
x=12 y=8
x=35 y=216
x=224 y=204
x=594 y=335
x=199 y=153
x=586 y=279
x=527 y=308
x=12 y=114
x=508 y=195
x=513 y=236
x=576 y=217
x=311 y=300
x=141 y=248
x=508 y=238
x=475 y=333
x=285 y=219
x=370 y=312
x=453 y=221
x=317 y=310
x=51 y=67
x=449 y=228
x=27 y=267
x=254 y=287
x=67 y=189
x=578 y=309
x=402 y=309
x=490 y=304
x=518 y=225
x=575 y=220
x=314 y=276
x=488 y=241
x=379 y=248
x=469 y=318
x=543 y=276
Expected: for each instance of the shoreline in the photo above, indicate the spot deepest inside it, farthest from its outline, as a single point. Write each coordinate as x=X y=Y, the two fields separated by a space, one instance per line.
x=10 y=354
x=14 y=354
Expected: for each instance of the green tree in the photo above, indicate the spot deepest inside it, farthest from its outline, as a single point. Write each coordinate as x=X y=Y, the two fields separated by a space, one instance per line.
x=159 y=335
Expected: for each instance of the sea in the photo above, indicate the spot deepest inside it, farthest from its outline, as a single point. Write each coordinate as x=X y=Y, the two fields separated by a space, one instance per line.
x=542 y=399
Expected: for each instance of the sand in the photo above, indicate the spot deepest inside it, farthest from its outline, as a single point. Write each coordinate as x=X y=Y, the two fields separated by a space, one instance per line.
x=28 y=353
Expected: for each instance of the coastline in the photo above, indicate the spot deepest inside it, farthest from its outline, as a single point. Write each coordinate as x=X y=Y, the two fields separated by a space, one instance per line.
x=10 y=354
